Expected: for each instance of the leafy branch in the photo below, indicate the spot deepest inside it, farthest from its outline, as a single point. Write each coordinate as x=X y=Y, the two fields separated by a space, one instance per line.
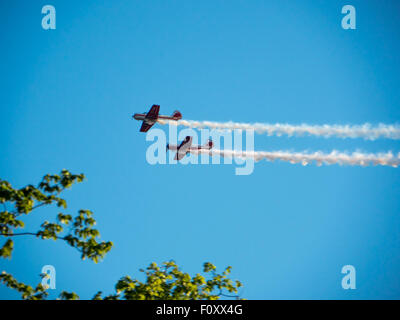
x=168 y=282
x=82 y=235
x=165 y=282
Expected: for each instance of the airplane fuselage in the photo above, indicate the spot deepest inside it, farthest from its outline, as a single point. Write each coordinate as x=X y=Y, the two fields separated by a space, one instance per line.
x=151 y=117
x=186 y=147
x=143 y=117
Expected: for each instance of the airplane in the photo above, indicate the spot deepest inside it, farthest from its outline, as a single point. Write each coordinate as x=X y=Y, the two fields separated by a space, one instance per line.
x=186 y=147
x=151 y=117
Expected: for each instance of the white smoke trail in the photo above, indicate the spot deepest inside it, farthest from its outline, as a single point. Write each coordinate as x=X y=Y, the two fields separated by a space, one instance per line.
x=366 y=131
x=335 y=157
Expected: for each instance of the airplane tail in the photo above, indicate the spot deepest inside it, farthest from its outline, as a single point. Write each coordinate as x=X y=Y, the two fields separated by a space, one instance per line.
x=176 y=114
x=209 y=144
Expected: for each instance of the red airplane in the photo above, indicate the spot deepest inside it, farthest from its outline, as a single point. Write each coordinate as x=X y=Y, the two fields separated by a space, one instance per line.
x=151 y=117
x=186 y=147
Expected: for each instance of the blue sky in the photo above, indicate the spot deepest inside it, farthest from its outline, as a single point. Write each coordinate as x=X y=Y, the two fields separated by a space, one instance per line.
x=66 y=102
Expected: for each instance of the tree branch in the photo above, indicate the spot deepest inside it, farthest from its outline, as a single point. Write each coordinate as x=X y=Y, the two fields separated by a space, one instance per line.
x=27 y=234
x=18 y=234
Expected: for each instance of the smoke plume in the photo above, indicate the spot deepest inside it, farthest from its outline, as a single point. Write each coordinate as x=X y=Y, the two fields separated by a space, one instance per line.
x=365 y=131
x=318 y=157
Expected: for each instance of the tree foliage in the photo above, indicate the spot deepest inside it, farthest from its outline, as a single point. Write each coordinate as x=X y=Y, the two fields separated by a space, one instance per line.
x=168 y=282
x=163 y=282
x=19 y=202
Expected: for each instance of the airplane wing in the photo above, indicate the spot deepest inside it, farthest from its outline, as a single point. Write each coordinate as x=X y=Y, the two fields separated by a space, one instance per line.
x=153 y=113
x=145 y=126
x=184 y=148
x=179 y=156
